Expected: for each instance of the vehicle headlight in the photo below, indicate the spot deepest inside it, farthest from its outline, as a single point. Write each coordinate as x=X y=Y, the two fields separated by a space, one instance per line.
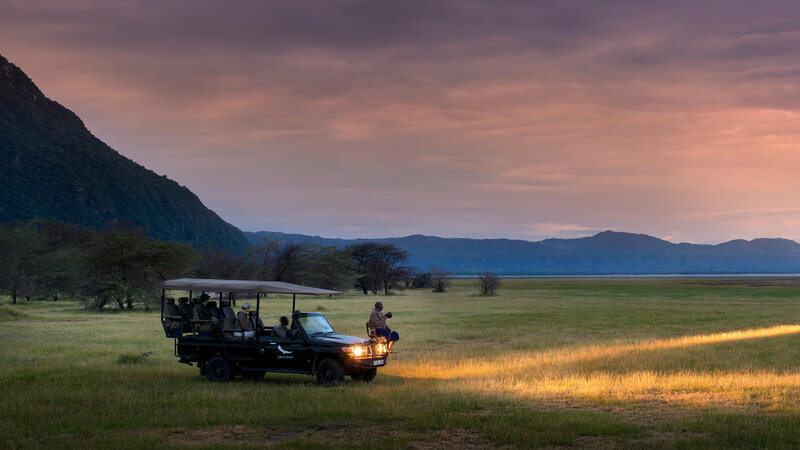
x=358 y=351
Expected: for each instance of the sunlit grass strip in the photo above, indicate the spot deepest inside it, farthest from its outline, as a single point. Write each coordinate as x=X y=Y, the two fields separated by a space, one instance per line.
x=577 y=374
x=763 y=389
x=515 y=362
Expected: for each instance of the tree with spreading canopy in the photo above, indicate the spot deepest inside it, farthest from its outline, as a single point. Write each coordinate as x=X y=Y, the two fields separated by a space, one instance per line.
x=125 y=267
x=378 y=266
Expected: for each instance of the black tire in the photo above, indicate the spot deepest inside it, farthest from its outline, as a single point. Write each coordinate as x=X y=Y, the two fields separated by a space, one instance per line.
x=364 y=375
x=219 y=370
x=330 y=372
x=253 y=374
x=369 y=375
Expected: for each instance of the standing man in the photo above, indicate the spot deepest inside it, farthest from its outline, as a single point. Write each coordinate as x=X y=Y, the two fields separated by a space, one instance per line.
x=377 y=321
x=243 y=322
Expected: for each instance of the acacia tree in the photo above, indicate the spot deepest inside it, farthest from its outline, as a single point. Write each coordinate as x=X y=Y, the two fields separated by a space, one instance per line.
x=216 y=262
x=288 y=263
x=440 y=279
x=378 y=266
x=23 y=259
x=327 y=268
x=65 y=245
x=488 y=283
x=365 y=264
x=262 y=258
x=124 y=267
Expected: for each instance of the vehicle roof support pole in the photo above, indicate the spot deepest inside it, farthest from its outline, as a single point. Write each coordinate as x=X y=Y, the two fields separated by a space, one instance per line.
x=163 y=291
x=294 y=297
x=191 y=305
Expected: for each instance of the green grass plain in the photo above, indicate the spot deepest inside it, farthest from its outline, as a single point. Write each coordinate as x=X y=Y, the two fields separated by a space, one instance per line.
x=586 y=363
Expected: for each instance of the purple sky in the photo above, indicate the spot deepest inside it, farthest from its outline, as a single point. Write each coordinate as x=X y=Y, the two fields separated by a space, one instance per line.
x=463 y=118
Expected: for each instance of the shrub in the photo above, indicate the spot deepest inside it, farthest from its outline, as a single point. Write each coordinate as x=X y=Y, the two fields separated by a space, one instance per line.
x=133 y=358
x=488 y=283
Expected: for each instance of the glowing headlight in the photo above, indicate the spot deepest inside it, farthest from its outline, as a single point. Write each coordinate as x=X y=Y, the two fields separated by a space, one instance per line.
x=357 y=351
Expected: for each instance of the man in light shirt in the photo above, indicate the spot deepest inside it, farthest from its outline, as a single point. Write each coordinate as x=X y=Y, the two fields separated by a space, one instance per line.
x=377 y=321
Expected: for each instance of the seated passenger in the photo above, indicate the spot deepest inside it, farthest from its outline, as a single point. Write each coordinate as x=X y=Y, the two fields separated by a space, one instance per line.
x=212 y=307
x=243 y=324
x=283 y=330
x=206 y=317
x=377 y=321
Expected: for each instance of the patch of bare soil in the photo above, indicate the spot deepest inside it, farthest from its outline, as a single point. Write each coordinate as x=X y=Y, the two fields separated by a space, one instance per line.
x=247 y=436
x=224 y=435
x=653 y=439
x=58 y=320
x=449 y=439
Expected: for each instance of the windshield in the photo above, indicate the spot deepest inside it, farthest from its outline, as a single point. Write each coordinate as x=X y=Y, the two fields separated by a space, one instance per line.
x=316 y=325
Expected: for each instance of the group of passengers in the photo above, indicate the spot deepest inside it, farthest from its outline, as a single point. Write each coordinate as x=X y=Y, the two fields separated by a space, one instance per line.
x=248 y=325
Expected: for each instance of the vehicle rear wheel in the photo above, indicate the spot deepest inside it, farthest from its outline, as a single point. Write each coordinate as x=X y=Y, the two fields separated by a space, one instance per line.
x=330 y=372
x=364 y=375
x=219 y=370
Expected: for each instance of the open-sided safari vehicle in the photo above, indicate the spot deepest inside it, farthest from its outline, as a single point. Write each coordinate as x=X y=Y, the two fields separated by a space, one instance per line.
x=221 y=351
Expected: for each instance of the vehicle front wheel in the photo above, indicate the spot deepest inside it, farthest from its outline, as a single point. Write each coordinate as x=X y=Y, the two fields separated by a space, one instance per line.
x=218 y=370
x=364 y=375
x=330 y=372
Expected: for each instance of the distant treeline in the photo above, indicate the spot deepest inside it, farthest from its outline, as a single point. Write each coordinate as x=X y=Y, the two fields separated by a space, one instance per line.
x=121 y=266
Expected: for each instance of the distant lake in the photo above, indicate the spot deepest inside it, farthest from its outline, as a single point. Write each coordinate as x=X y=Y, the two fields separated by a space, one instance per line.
x=664 y=275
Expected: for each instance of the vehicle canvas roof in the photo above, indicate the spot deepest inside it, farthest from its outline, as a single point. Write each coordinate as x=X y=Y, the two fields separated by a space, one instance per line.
x=244 y=286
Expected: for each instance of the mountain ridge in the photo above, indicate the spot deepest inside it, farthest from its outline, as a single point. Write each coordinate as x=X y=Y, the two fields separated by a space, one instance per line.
x=606 y=253
x=54 y=169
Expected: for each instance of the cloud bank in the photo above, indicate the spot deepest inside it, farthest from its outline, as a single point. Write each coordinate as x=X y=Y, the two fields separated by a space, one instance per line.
x=460 y=118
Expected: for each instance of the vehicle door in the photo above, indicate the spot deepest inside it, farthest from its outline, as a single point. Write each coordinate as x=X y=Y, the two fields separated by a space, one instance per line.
x=279 y=353
x=245 y=350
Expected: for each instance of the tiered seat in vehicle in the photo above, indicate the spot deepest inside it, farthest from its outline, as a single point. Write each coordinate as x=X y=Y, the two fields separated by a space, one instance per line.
x=172 y=317
x=186 y=314
x=228 y=319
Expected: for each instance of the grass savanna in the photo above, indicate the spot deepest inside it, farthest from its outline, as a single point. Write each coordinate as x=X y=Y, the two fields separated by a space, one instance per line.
x=587 y=363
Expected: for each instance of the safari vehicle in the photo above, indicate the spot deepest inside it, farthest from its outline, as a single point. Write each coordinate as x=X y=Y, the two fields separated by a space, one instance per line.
x=221 y=352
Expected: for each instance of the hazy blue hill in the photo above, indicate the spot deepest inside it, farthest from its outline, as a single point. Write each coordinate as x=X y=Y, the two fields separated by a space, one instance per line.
x=605 y=253
x=53 y=168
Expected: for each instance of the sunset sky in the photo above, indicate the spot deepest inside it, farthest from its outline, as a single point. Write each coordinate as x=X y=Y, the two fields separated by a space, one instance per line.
x=527 y=119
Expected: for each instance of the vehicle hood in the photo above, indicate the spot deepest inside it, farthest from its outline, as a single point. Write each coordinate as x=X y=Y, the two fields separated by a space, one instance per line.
x=338 y=339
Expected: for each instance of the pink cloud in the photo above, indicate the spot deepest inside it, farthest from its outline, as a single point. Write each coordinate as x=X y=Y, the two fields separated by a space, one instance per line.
x=440 y=117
